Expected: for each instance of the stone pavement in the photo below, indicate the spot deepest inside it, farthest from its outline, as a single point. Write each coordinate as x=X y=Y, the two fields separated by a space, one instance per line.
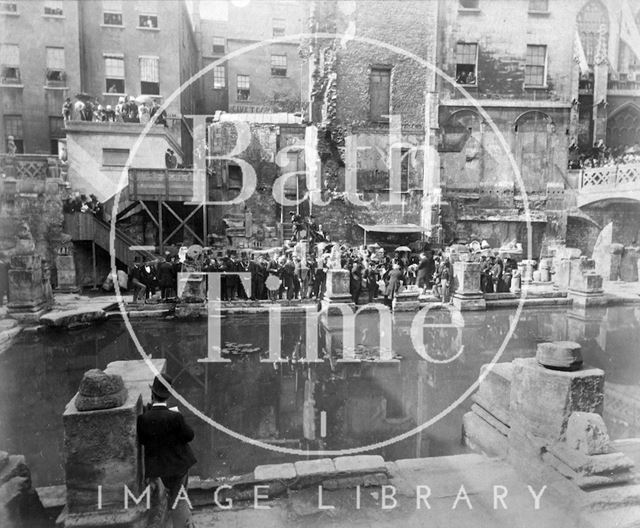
x=448 y=506
x=623 y=290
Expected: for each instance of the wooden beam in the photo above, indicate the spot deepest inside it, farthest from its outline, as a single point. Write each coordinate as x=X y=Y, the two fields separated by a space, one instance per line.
x=183 y=223
x=153 y=218
x=160 y=228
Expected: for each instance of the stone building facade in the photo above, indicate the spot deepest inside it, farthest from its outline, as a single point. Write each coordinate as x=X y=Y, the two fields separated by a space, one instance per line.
x=40 y=67
x=372 y=99
x=266 y=78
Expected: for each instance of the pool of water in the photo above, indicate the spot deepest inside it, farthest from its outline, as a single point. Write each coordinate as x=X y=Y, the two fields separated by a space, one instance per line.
x=286 y=404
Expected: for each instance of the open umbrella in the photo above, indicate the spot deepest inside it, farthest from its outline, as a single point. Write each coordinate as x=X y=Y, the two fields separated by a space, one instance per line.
x=402 y=249
x=144 y=99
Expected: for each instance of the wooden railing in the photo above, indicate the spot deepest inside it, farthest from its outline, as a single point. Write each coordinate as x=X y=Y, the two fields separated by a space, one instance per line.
x=161 y=184
x=87 y=227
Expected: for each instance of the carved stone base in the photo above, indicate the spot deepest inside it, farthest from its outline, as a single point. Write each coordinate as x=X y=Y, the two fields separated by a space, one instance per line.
x=469 y=302
x=583 y=299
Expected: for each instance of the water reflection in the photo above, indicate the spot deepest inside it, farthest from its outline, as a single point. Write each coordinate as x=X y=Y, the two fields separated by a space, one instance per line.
x=281 y=404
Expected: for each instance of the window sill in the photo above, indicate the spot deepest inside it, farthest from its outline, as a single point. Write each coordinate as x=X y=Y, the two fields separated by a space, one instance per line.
x=147 y=28
x=53 y=16
x=474 y=85
x=11 y=85
x=469 y=10
x=9 y=13
x=55 y=87
x=539 y=13
x=532 y=87
x=114 y=94
x=280 y=77
x=114 y=26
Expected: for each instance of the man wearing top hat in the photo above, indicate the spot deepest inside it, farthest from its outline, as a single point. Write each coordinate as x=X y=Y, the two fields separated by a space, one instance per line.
x=165 y=436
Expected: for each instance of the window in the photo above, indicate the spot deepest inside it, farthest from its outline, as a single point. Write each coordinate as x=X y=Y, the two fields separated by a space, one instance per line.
x=13 y=128
x=279 y=65
x=466 y=63
x=219 y=45
x=112 y=14
x=243 y=88
x=53 y=8
x=56 y=132
x=112 y=19
x=149 y=77
x=536 y=65
x=55 y=65
x=148 y=21
x=379 y=93
x=219 y=80
x=10 y=63
x=112 y=157
x=9 y=8
x=235 y=176
x=114 y=73
x=469 y=4
x=279 y=27
x=540 y=6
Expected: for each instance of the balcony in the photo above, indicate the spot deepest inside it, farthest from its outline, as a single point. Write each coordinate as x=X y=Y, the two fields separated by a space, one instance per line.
x=613 y=182
x=172 y=185
x=32 y=166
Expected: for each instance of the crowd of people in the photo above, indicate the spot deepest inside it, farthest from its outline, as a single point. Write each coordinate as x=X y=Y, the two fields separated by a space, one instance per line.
x=374 y=275
x=128 y=110
x=603 y=156
x=80 y=203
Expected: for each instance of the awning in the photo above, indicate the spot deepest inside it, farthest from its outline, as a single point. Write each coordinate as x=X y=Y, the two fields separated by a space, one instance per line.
x=393 y=228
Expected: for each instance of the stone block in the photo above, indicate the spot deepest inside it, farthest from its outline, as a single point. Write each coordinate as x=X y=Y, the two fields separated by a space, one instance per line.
x=26 y=289
x=337 y=286
x=480 y=436
x=309 y=468
x=494 y=390
x=466 y=277
x=101 y=449
x=469 y=302
x=562 y=274
x=359 y=464
x=587 y=433
x=66 y=272
x=583 y=464
x=563 y=355
x=67 y=318
x=541 y=400
x=492 y=420
x=274 y=472
x=14 y=466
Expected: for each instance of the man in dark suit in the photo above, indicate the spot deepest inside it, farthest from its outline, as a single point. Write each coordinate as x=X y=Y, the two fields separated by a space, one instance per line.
x=165 y=436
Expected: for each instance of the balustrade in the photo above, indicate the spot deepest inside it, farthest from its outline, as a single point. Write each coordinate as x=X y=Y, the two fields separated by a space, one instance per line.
x=610 y=177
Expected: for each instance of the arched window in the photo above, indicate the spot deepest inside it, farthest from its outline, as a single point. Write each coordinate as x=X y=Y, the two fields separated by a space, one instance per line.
x=590 y=19
x=533 y=140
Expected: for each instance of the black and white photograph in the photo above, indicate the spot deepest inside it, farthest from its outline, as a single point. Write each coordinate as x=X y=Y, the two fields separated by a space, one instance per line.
x=319 y=263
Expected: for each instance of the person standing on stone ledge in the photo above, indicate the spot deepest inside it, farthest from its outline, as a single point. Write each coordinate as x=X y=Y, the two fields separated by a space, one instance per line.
x=165 y=435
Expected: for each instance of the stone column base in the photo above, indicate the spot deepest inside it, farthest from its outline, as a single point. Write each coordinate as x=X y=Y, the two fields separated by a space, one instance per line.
x=469 y=302
x=334 y=304
x=28 y=315
x=584 y=299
